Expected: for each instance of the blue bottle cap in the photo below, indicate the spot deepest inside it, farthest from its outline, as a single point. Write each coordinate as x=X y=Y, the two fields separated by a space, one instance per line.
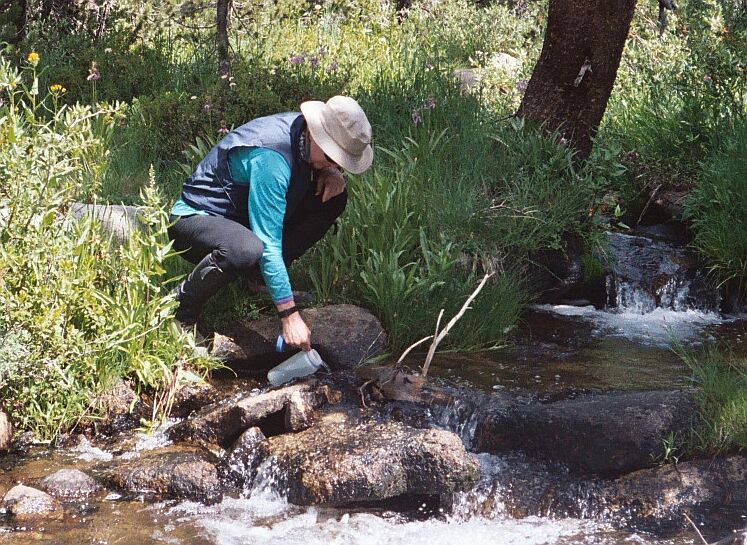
x=280 y=344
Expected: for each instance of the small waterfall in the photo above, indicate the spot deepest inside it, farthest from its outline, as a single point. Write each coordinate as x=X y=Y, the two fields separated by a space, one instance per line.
x=646 y=274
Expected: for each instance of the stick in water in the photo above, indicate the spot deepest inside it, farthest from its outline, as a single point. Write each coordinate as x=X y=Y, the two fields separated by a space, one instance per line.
x=439 y=336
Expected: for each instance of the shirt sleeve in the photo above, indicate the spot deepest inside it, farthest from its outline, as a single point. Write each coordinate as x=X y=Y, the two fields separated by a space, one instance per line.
x=268 y=175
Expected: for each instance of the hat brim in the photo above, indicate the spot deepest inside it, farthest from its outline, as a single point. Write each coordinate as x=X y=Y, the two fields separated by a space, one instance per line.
x=356 y=164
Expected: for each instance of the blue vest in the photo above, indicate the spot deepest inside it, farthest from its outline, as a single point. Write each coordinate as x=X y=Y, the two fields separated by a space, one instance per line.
x=210 y=187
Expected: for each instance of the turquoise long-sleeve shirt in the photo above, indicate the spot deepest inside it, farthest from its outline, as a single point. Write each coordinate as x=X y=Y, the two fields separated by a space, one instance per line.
x=267 y=174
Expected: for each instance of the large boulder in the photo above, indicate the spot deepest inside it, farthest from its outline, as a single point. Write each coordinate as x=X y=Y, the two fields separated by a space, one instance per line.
x=344 y=335
x=117 y=220
x=69 y=483
x=277 y=411
x=340 y=462
x=604 y=434
x=29 y=504
x=170 y=472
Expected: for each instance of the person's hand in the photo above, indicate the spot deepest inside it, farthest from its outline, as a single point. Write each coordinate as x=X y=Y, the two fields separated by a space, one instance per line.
x=329 y=183
x=296 y=332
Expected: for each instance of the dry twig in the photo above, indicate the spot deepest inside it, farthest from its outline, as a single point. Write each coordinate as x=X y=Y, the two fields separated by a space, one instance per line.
x=695 y=528
x=439 y=336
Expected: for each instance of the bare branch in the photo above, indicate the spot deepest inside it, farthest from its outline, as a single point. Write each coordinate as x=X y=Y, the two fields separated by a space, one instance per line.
x=452 y=323
x=409 y=349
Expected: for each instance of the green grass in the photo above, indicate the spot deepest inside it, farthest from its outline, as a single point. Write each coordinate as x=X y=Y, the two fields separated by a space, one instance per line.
x=716 y=208
x=721 y=378
x=457 y=186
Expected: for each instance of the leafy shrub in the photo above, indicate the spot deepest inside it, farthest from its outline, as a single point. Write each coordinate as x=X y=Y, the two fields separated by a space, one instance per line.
x=78 y=310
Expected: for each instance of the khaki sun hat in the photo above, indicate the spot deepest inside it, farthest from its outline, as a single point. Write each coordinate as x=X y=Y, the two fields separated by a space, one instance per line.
x=340 y=127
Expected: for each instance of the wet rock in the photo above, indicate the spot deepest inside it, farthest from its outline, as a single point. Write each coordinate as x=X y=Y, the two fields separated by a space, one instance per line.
x=657 y=498
x=194 y=396
x=604 y=434
x=738 y=538
x=121 y=408
x=167 y=473
x=222 y=423
x=338 y=462
x=647 y=274
x=344 y=335
x=246 y=454
x=69 y=483
x=6 y=432
x=29 y=504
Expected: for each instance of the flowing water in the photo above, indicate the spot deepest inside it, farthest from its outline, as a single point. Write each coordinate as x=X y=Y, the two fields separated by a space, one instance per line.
x=653 y=297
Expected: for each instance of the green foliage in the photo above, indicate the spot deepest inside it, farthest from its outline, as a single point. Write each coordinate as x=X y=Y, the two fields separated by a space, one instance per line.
x=716 y=206
x=721 y=377
x=674 y=94
x=79 y=310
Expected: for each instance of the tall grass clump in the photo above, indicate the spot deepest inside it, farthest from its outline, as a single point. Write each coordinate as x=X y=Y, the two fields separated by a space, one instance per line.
x=672 y=94
x=721 y=378
x=716 y=207
x=79 y=311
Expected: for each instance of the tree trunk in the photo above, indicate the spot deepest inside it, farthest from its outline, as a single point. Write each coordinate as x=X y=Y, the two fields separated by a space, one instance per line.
x=223 y=7
x=574 y=76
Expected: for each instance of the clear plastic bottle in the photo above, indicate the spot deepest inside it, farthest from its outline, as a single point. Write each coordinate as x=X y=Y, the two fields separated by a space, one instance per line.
x=298 y=365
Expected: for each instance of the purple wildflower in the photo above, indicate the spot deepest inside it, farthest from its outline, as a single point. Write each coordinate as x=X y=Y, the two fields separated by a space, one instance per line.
x=417 y=119
x=93 y=72
x=430 y=103
x=333 y=66
x=297 y=60
x=314 y=63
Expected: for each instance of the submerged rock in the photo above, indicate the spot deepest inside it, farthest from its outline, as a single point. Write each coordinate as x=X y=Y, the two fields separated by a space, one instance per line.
x=604 y=434
x=70 y=483
x=168 y=473
x=738 y=538
x=338 y=462
x=29 y=504
x=658 y=497
x=276 y=411
x=344 y=335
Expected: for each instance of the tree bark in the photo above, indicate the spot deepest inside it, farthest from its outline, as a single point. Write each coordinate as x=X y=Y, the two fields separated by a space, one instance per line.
x=223 y=7
x=575 y=73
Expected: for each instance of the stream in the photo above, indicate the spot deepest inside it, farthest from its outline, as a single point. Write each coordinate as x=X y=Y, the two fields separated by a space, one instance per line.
x=560 y=351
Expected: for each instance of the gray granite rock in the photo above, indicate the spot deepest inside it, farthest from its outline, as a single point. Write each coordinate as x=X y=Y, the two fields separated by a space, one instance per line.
x=29 y=504
x=69 y=483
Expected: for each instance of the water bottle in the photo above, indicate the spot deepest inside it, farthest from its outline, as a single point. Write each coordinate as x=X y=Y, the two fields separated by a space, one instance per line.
x=298 y=365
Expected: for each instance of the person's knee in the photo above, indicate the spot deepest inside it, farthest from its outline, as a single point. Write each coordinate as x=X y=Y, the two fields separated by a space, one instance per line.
x=242 y=255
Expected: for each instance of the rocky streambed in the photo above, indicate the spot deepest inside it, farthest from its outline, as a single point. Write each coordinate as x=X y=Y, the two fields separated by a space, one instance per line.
x=310 y=463
x=569 y=437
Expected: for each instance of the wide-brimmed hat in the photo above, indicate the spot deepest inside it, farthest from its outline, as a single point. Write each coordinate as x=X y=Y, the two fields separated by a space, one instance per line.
x=340 y=127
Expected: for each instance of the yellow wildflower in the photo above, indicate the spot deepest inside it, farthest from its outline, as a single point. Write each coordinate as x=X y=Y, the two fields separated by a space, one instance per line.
x=57 y=88
x=33 y=58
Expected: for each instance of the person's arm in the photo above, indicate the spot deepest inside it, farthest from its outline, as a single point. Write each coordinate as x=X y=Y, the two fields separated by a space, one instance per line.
x=269 y=176
x=329 y=183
